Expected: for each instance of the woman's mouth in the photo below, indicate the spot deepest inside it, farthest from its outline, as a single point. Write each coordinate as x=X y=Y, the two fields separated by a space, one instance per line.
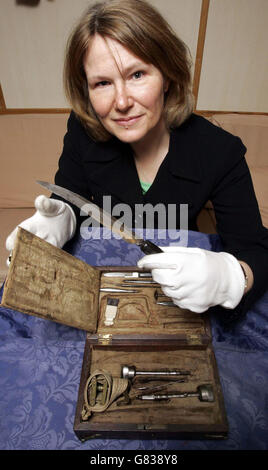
x=129 y=121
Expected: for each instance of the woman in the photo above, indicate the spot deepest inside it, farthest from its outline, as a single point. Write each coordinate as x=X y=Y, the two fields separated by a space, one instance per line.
x=132 y=136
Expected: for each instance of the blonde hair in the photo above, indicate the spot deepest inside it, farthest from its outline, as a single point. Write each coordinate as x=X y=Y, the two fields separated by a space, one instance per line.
x=141 y=29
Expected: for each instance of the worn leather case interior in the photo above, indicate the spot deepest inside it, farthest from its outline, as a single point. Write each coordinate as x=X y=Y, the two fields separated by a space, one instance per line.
x=50 y=283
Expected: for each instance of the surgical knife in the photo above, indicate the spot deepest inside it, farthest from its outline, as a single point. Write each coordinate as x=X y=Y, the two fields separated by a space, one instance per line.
x=102 y=217
x=127 y=275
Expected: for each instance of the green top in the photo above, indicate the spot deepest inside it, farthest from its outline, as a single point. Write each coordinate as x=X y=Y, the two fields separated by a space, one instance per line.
x=145 y=186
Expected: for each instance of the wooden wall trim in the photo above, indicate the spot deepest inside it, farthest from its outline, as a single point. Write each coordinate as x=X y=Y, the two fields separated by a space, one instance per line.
x=2 y=100
x=35 y=111
x=200 y=46
x=204 y=112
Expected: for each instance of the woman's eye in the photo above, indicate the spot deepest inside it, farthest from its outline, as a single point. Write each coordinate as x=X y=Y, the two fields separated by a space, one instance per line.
x=138 y=74
x=101 y=84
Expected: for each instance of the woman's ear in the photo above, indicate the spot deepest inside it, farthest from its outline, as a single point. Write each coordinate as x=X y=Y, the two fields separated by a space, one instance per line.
x=166 y=84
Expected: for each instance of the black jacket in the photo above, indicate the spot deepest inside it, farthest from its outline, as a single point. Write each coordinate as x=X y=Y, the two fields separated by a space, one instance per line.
x=204 y=163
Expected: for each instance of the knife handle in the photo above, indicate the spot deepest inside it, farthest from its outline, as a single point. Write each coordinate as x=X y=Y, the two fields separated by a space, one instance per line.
x=149 y=248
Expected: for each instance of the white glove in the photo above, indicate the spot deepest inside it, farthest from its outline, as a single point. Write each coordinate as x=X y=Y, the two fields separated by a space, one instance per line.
x=197 y=279
x=54 y=221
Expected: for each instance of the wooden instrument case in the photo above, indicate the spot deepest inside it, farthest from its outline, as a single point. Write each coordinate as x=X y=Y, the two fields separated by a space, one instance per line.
x=52 y=284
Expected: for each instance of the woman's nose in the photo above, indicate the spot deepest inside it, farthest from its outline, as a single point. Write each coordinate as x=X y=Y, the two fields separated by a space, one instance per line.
x=123 y=100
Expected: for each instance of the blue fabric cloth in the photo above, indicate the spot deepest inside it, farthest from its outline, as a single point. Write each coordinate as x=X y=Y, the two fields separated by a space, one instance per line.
x=40 y=366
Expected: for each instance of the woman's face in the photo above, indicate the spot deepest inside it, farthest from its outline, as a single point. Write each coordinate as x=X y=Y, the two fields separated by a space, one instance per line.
x=126 y=93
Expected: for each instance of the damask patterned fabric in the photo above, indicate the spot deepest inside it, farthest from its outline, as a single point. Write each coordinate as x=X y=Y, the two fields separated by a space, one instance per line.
x=40 y=366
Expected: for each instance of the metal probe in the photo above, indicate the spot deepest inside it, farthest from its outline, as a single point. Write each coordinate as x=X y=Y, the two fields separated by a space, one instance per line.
x=114 y=289
x=128 y=372
x=204 y=393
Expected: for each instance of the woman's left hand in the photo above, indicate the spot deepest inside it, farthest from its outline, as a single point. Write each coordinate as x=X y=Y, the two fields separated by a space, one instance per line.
x=197 y=279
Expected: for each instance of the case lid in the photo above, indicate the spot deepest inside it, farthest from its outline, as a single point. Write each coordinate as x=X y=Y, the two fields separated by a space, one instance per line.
x=50 y=283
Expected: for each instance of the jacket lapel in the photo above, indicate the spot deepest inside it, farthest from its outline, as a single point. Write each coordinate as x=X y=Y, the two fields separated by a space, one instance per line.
x=180 y=173
x=184 y=160
x=112 y=168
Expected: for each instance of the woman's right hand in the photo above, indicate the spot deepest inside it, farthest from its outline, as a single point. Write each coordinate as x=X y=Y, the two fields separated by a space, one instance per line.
x=53 y=221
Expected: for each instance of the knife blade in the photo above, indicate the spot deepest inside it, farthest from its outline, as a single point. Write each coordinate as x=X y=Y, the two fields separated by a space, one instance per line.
x=128 y=275
x=102 y=217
